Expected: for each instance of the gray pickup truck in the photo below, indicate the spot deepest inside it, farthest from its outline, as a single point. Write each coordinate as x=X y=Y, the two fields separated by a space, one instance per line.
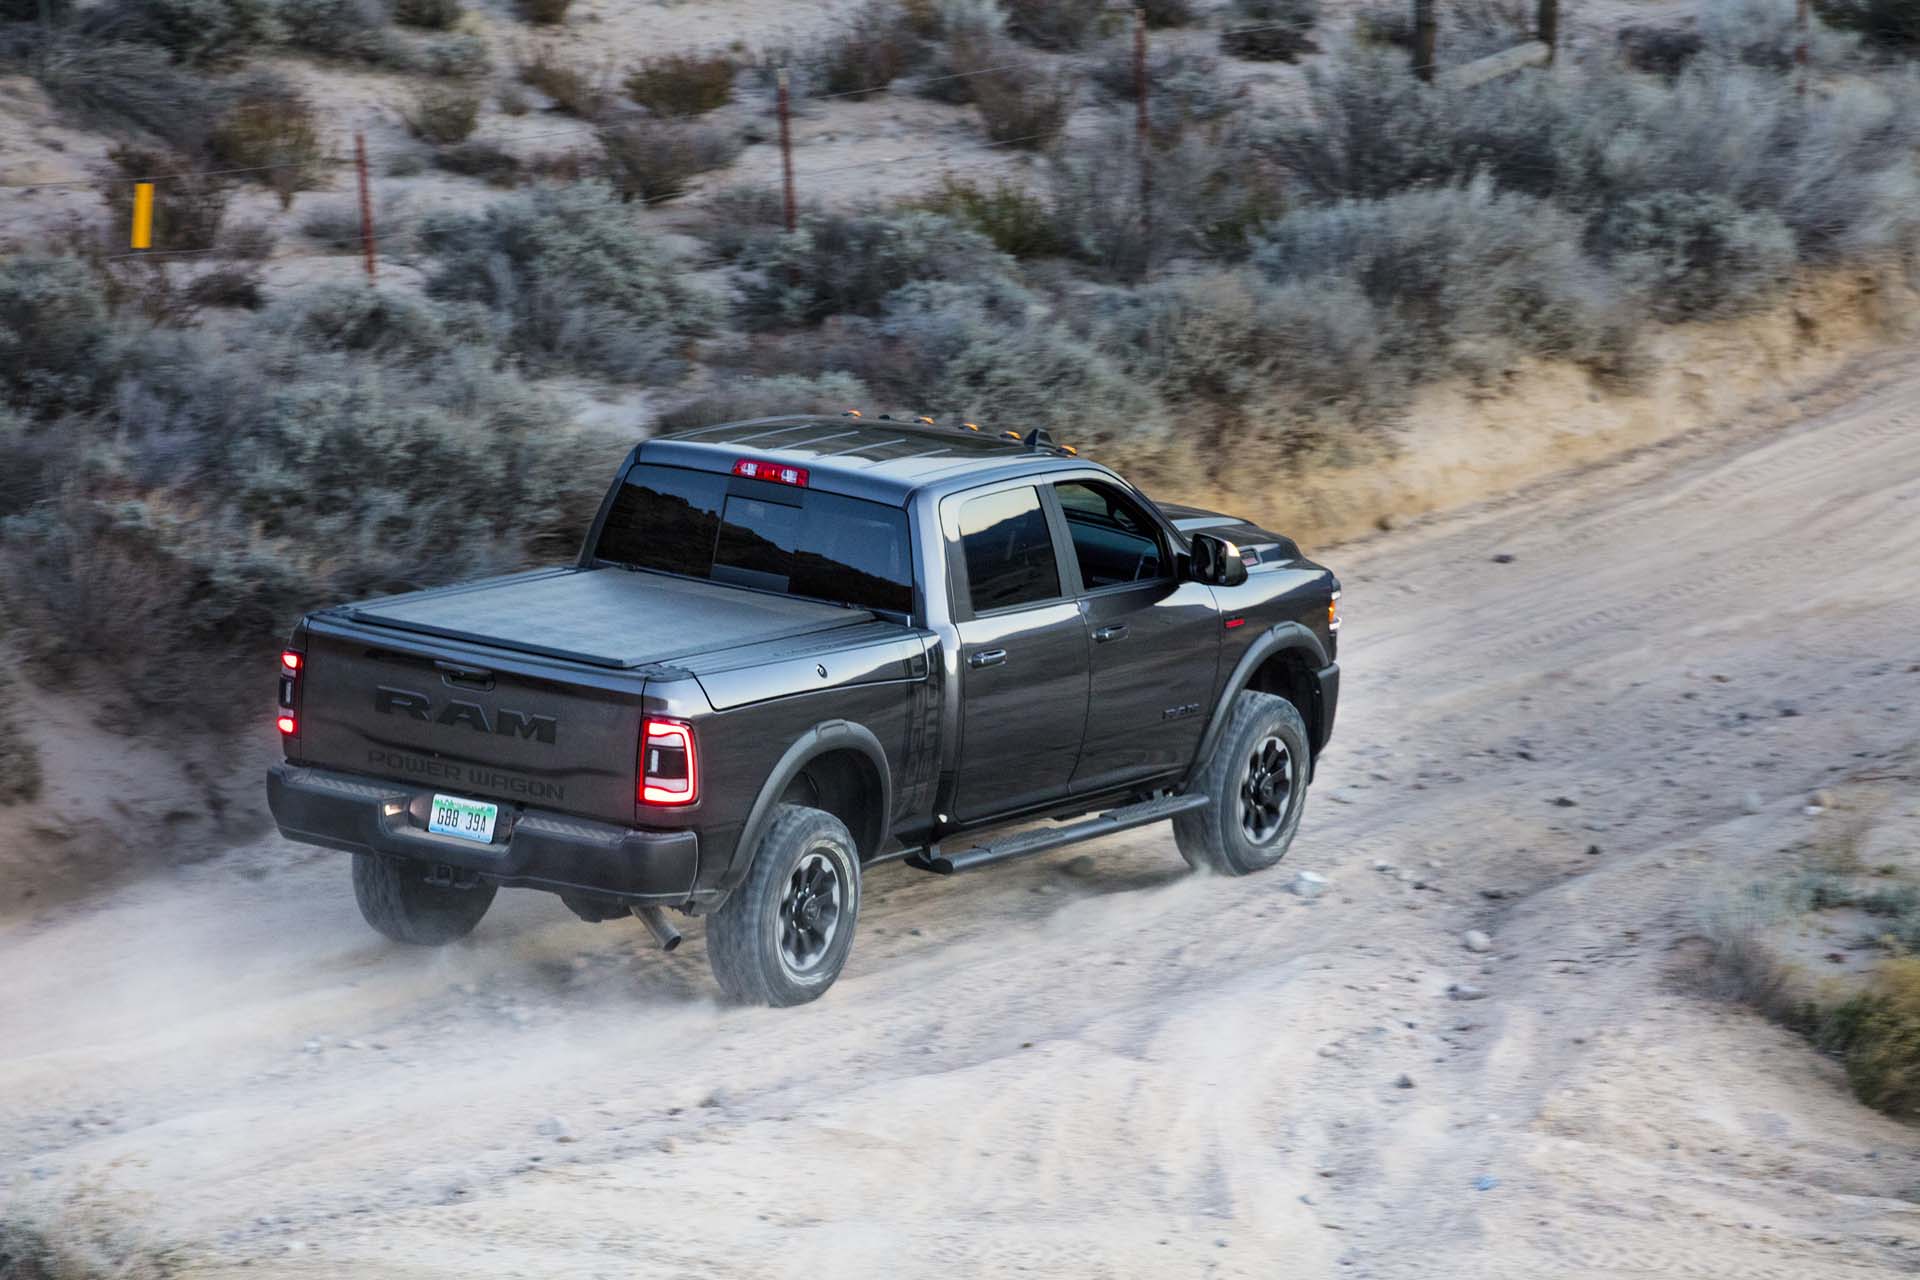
x=795 y=647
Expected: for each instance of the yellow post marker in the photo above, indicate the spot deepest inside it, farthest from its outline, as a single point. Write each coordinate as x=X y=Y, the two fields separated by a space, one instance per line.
x=143 y=215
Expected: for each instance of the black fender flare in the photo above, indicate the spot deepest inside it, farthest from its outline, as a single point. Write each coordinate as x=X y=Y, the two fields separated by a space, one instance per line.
x=1276 y=639
x=828 y=735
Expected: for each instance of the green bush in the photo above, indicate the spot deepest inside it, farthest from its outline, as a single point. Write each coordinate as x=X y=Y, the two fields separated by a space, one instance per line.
x=1017 y=221
x=851 y=263
x=655 y=160
x=444 y=115
x=682 y=84
x=354 y=30
x=1464 y=278
x=54 y=333
x=570 y=280
x=1893 y=24
x=121 y=87
x=198 y=32
x=1697 y=255
x=742 y=399
x=433 y=15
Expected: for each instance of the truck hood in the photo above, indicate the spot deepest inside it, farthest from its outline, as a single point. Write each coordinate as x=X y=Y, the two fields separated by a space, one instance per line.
x=614 y=618
x=1269 y=548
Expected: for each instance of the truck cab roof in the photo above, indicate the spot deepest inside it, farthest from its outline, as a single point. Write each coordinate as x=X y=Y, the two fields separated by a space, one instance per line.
x=878 y=459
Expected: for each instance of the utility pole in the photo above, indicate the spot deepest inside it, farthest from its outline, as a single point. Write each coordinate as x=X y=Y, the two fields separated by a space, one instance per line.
x=1426 y=31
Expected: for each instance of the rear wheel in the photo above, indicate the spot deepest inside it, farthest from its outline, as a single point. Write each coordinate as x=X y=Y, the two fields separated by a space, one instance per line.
x=396 y=899
x=1256 y=785
x=782 y=937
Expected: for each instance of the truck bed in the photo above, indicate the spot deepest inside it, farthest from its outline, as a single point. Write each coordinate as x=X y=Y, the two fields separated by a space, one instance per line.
x=613 y=618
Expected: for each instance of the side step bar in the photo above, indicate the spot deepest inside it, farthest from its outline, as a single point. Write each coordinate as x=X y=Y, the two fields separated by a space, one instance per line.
x=1041 y=839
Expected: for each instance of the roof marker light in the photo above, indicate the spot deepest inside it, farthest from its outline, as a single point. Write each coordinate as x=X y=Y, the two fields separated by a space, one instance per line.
x=925 y=419
x=776 y=473
x=1013 y=435
x=851 y=413
x=971 y=426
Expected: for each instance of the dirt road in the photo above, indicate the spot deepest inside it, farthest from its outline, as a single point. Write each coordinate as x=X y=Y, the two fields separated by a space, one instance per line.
x=1095 y=1064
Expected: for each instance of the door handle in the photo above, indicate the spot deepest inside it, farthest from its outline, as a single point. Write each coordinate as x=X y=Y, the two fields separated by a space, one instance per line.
x=1117 y=631
x=988 y=658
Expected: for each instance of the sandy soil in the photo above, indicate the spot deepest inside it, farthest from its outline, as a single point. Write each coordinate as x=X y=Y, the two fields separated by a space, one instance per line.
x=1094 y=1063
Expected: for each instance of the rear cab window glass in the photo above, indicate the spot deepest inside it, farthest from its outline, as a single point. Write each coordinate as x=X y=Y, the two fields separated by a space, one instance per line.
x=1008 y=548
x=1114 y=541
x=771 y=537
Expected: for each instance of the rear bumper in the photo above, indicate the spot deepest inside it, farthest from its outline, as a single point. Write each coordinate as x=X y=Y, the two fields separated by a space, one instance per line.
x=1326 y=695
x=530 y=848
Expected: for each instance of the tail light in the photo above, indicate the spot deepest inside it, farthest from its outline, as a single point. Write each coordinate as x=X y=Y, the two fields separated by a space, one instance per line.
x=1333 y=614
x=292 y=663
x=669 y=765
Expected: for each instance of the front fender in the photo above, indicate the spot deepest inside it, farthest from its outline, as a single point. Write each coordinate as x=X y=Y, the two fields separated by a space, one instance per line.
x=1277 y=639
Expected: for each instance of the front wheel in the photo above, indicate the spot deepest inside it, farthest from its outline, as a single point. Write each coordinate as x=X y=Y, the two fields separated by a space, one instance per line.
x=782 y=937
x=396 y=898
x=1256 y=787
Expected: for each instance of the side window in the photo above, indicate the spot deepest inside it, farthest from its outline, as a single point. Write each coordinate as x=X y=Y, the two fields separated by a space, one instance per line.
x=1114 y=541
x=1009 y=550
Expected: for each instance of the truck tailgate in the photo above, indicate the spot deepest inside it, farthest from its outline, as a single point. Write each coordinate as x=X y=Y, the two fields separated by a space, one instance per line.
x=459 y=719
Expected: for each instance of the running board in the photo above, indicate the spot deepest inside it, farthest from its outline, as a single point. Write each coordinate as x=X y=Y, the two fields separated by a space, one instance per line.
x=1027 y=843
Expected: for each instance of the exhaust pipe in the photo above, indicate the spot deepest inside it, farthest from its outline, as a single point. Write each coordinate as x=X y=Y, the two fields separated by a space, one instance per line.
x=656 y=921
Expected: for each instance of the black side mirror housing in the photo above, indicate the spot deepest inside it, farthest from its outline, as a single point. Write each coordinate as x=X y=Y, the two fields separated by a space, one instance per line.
x=1216 y=562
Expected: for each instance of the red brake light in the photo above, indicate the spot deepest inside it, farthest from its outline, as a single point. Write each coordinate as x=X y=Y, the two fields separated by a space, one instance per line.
x=669 y=767
x=290 y=660
x=286 y=725
x=772 y=471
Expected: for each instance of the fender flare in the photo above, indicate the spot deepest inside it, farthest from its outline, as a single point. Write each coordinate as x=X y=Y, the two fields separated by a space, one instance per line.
x=828 y=735
x=1276 y=639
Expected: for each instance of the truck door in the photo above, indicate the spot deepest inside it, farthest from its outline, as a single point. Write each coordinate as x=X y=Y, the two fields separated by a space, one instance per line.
x=1023 y=656
x=1156 y=639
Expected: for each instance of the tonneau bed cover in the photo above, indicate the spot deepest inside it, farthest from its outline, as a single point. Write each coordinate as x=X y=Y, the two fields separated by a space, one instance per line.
x=605 y=617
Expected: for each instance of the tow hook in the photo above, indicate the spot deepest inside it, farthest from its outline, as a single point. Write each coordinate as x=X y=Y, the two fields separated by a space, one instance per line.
x=656 y=921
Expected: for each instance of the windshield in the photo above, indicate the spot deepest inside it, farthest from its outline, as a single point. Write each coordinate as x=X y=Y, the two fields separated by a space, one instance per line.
x=768 y=536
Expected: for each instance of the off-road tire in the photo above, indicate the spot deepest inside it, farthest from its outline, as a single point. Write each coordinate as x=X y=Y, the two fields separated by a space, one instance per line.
x=745 y=936
x=396 y=899
x=1216 y=838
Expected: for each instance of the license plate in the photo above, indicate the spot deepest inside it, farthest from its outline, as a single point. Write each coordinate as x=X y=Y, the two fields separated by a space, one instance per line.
x=469 y=819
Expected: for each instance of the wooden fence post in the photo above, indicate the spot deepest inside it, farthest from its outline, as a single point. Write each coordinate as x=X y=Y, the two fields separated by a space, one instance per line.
x=1426 y=31
x=786 y=154
x=366 y=202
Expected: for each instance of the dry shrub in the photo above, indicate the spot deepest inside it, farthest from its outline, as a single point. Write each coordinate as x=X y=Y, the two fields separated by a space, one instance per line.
x=1893 y=24
x=1022 y=107
x=742 y=399
x=356 y=30
x=1697 y=255
x=734 y=217
x=479 y=158
x=1272 y=30
x=682 y=84
x=851 y=263
x=271 y=132
x=188 y=206
x=444 y=115
x=655 y=160
x=20 y=776
x=1056 y=24
x=1167 y=13
x=545 y=12
x=117 y=86
x=575 y=89
x=433 y=15
x=877 y=46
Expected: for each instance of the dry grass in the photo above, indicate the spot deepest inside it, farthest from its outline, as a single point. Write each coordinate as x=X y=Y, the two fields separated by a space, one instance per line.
x=682 y=84
x=656 y=161
x=1023 y=108
x=271 y=131
x=444 y=115
x=575 y=89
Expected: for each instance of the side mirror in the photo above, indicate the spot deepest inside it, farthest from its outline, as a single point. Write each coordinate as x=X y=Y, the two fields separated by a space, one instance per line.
x=1216 y=562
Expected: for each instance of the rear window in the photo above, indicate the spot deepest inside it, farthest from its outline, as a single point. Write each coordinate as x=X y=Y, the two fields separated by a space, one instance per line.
x=754 y=534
